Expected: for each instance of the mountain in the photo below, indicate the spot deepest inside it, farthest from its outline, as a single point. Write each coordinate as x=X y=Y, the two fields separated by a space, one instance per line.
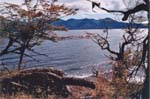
x=94 y=24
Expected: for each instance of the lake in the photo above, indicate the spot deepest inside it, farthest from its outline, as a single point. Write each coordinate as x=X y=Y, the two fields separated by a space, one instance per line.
x=75 y=57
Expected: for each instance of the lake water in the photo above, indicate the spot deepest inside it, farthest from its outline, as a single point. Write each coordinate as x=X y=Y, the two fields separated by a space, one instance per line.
x=73 y=56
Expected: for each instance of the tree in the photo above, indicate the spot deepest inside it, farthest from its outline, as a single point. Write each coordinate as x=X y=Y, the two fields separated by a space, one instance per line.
x=130 y=39
x=29 y=24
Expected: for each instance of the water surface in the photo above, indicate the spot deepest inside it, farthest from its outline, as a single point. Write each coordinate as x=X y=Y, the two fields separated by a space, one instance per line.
x=73 y=56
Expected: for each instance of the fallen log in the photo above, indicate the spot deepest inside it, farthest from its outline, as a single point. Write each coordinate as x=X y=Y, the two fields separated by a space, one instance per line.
x=78 y=82
x=31 y=83
x=48 y=81
x=40 y=69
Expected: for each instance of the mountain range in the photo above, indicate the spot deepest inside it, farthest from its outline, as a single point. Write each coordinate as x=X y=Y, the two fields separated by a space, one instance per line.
x=94 y=24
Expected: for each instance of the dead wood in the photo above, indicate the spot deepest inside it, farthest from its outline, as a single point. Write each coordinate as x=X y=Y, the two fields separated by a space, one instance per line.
x=40 y=82
x=40 y=69
x=78 y=82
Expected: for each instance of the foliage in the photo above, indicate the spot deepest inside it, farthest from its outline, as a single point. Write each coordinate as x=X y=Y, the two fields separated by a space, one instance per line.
x=29 y=24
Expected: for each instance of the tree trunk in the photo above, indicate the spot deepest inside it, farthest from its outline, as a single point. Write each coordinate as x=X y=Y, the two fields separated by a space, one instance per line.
x=145 y=93
x=22 y=50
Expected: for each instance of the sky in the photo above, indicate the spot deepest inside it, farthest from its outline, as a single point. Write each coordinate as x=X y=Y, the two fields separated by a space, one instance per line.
x=85 y=8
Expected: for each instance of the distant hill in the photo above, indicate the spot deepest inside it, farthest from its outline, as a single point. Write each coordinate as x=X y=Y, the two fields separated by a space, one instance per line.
x=94 y=24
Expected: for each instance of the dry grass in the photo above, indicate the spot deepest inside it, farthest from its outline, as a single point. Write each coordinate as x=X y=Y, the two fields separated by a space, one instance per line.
x=17 y=96
x=104 y=89
x=25 y=96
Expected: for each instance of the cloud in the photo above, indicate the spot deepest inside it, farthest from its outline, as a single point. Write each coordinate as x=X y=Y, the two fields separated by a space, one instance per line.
x=13 y=1
x=85 y=7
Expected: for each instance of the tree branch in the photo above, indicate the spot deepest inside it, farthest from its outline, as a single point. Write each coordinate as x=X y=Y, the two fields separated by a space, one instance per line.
x=141 y=7
x=138 y=8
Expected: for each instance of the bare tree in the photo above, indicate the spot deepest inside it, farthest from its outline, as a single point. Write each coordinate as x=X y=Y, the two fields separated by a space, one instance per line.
x=129 y=39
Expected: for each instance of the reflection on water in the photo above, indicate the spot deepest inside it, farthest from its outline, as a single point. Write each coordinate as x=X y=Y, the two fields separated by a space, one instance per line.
x=72 y=56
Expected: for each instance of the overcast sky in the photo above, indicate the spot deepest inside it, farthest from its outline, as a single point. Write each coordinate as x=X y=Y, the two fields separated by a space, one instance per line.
x=85 y=7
